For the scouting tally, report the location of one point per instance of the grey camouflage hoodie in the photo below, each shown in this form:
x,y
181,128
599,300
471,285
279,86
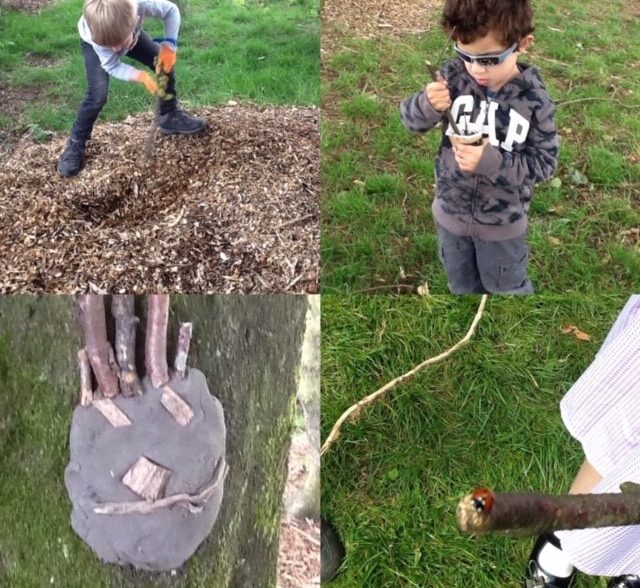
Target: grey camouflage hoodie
x,y
491,202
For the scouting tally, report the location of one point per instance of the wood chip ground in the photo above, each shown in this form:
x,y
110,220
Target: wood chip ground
x,y
376,18
234,209
299,553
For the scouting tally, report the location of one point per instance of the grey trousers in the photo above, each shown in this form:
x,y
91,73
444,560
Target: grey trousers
x,y
476,266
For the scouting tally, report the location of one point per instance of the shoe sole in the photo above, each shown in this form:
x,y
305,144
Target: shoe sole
x,y
168,132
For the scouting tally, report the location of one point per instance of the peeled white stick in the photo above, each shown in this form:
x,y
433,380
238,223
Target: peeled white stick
x,y
86,391
193,502
184,340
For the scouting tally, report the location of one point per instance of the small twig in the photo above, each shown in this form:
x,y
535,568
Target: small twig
x,y
156,341
353,413
193,502
86,389
401,288
122,310
149,143
184,340
91,307
531,513
608,98
305,535
294,221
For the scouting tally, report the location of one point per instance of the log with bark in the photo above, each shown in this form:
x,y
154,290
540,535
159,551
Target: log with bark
x,y
531,513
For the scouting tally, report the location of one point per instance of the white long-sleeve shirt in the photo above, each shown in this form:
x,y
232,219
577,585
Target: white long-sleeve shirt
x,y
110,59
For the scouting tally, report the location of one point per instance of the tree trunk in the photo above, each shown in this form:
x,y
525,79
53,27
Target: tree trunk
x,y
248,347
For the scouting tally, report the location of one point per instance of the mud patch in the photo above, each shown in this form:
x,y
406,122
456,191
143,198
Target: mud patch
x,y
234,209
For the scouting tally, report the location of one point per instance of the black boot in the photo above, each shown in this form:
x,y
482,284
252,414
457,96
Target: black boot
x,y
72,159
178,122
331,551
624,582
535,576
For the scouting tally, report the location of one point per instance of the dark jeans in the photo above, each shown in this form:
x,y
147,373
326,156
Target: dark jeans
x,y
476,266
144,51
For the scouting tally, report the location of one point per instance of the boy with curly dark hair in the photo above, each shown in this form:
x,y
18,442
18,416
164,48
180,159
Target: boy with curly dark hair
x,y
484,191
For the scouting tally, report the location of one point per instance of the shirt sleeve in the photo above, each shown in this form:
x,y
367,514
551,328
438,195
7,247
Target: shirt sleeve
x,y
110,62
418,115
536,162
167,11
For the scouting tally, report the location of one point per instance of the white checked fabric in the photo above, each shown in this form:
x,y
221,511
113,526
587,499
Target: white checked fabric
x,y
602,411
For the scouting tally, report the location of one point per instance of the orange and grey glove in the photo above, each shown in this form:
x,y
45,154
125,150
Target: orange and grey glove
x,y
142,77
166,58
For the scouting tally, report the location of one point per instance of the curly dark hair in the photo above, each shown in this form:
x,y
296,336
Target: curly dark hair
x,y
509,20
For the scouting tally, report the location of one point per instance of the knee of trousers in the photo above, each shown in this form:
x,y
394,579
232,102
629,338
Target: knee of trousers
x,y
96,98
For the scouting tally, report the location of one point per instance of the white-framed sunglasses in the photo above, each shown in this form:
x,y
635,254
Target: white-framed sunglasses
x,y
487,60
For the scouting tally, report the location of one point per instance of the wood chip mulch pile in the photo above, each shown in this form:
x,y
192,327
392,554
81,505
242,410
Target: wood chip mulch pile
x,y
376,18
233,209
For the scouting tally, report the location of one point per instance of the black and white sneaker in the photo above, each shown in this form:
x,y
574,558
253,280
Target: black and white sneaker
x,y
624,582
536,577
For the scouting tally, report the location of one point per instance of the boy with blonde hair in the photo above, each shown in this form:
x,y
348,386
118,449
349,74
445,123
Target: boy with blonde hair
x,y
484,191
111,29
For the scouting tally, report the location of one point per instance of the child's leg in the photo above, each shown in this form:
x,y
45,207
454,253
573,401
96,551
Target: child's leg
x,y
503,265
94,99
586,479
72,159
458,256
145,51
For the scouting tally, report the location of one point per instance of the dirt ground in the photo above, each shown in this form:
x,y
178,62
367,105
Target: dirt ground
x,y
299,559
234,209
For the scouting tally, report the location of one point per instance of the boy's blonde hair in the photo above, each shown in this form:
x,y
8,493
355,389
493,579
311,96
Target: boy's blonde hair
x,y
110,21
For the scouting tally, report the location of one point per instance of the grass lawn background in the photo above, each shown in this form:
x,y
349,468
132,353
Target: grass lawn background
x,y
244,50
487,415
378,179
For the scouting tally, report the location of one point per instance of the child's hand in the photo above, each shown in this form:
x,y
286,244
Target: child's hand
x,y
142,77
468,156
438,95
166,59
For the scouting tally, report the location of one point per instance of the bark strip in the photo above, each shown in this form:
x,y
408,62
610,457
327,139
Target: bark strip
x,y
86,389
147,479
184,340
176,405
530,513
156,341
192,502
98,349
112,412
126,322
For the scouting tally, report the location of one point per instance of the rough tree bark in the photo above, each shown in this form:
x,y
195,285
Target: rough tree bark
x,y
248,347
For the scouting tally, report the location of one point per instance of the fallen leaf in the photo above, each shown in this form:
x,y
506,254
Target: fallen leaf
x,y
554,240
576,332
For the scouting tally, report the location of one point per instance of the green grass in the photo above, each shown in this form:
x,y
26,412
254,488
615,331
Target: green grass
x,y
381,231
487,415
264,52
